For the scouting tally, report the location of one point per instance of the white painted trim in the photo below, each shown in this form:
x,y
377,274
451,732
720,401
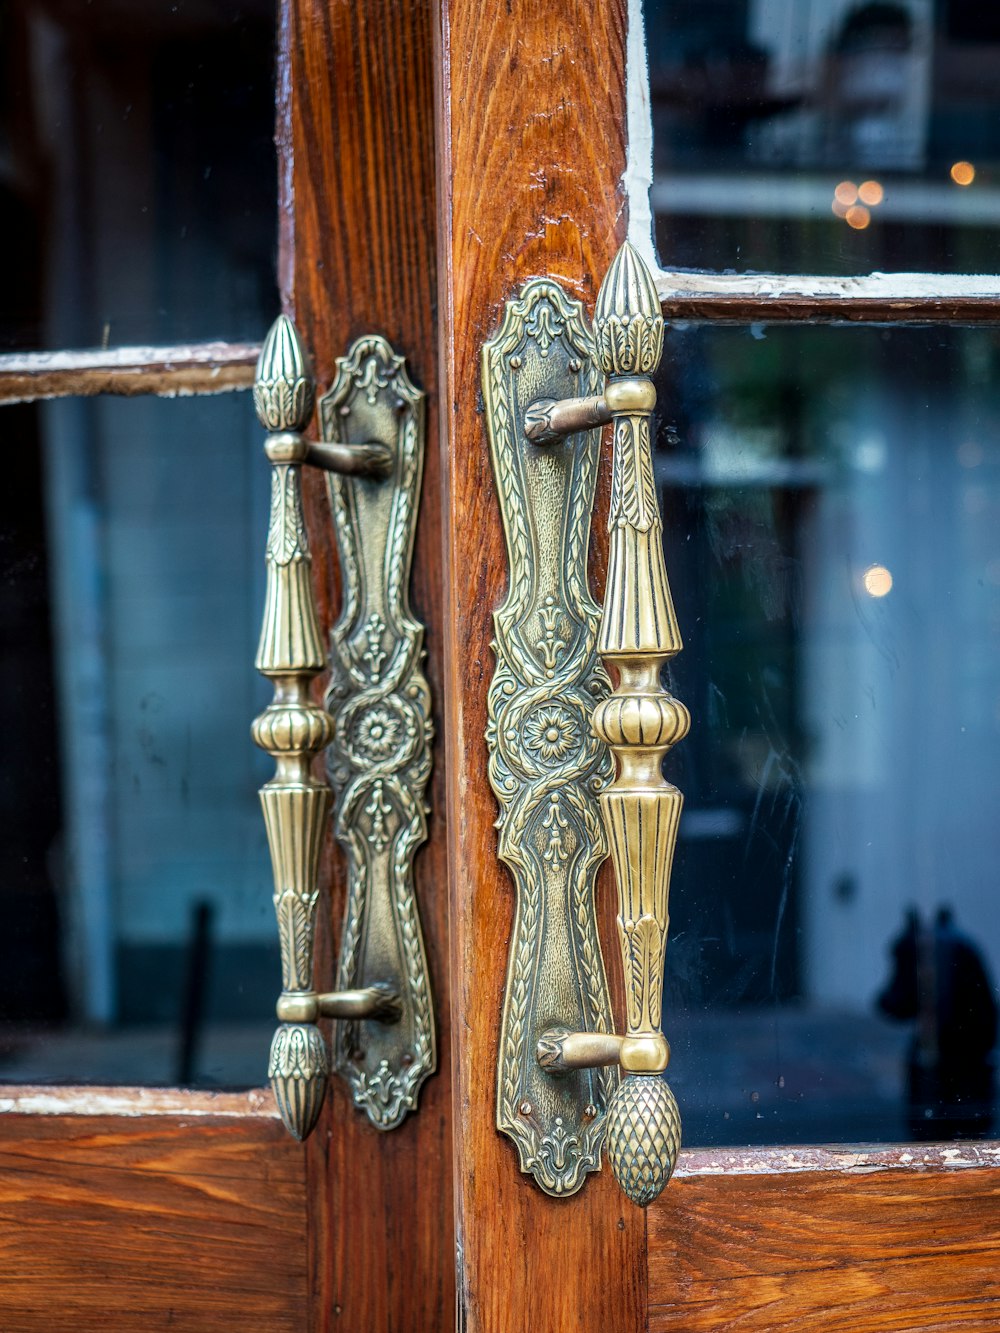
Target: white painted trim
x,y
870,286
638,179
135,1102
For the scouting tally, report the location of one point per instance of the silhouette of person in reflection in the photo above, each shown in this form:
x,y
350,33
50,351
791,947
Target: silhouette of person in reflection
x,y
941,980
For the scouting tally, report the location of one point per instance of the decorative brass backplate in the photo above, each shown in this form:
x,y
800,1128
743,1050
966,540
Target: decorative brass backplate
x,y
380,759
546,766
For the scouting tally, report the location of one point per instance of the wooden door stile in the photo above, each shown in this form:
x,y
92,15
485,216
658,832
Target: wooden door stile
x,y
531,137
357,256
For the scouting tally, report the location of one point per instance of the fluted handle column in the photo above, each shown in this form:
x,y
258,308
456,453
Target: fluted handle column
x,y
293,729
640,722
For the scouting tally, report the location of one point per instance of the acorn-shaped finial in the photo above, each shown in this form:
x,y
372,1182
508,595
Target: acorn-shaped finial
x,y
299,1068
284,389
644,1136
628,324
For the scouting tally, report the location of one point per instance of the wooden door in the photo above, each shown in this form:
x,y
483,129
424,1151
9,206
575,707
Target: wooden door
x,y
536,164
139,1208
432,158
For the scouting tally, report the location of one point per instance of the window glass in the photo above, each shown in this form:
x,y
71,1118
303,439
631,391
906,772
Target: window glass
x,y
826,136
137,172
139,943
832,507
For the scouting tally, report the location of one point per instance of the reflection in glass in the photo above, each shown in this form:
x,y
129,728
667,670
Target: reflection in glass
x,y
137,171
826,136
138,940
832,503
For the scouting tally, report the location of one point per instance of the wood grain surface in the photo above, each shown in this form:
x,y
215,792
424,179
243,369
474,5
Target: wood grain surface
x,y
150,1223
356,162
848,1248
532,153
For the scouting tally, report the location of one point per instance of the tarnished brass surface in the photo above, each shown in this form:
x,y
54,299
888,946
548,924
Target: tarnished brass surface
x,y
293,729
548,419
640,722
380,759
381,984
559,1050
545,765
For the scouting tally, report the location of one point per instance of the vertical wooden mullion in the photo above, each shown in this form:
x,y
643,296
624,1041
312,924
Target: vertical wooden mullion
x,y
531,139
356,162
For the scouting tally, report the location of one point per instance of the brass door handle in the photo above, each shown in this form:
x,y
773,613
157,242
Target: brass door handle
x,y
639,722
385,1041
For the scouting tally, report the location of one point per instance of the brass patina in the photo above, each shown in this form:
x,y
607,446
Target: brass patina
x,y
546,766
638,723
379,761
376,996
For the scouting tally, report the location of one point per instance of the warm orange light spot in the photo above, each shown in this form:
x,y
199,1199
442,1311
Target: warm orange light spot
x,y
846,193
839,208
871,193
877,581
963,173
858,217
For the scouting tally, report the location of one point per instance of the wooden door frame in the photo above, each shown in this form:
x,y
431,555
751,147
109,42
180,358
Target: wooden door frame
x,y
192,1206
136,1208
357,255
532,110
532,151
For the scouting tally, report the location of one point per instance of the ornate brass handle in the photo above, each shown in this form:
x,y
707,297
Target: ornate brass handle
x,y
554,728
294,729
640,722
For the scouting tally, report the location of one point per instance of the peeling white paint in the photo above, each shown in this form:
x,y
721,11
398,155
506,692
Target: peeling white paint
x,y
638,179
858,1160
871,286
258,1102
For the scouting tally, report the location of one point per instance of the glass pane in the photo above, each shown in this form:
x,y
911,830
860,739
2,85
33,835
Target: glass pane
x,y
832,504
137,172
826,136
139,944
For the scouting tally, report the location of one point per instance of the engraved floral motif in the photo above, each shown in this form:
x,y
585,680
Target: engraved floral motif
x,y
545,766
552,733
544,326
377,732
374,654
555,823
380,758
378,809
